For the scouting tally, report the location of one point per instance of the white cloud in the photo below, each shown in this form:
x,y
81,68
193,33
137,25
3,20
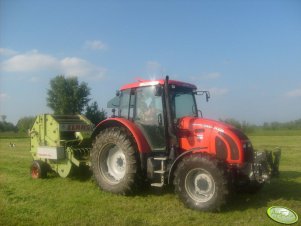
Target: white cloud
x,y
7,52
294,93
34,79
212,75
28,62
218,91
3,96
206,76
73,66
95,45
34,61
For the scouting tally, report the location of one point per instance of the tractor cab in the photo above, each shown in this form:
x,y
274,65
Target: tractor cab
x,y
155,109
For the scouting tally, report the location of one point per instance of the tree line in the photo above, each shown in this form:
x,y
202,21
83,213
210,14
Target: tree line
x,y
65,96
248,128
92,112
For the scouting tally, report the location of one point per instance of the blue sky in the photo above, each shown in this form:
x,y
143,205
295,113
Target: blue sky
x,y
247,53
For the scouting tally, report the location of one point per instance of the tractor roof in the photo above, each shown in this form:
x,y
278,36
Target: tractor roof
x,y
141,83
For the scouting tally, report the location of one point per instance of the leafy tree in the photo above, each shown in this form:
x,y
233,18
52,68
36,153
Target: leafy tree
x,y
7,127
94,114
67,96
3,118
25,123
296,124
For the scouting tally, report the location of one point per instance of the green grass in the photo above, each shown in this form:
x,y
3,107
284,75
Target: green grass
x,y
78,201
12,135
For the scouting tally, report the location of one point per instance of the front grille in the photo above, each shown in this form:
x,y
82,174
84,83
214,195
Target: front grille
x,y
247,146
221,148
233,147
248,151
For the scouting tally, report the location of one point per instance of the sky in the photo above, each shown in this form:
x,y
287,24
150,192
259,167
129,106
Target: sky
x,y
246,53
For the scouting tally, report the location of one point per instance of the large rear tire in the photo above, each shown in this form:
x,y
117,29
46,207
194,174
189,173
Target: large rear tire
x,y
114,161
200,183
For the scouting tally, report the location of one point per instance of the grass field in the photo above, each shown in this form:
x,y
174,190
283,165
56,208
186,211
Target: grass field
x,y
78,201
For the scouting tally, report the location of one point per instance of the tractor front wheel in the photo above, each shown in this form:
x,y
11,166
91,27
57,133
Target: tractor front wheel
x,y
200,183
114,161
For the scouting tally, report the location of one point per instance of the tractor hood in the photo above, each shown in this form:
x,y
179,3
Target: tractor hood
x,y
192,123
217,138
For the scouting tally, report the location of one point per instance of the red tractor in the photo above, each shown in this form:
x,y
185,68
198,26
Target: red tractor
x,y
159,136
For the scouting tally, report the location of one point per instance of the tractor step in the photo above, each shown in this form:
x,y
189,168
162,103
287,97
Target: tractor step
x,y
161,171
160,158
159,185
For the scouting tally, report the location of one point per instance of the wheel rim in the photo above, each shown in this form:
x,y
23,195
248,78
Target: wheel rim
x,y
200,185
113,163
34,172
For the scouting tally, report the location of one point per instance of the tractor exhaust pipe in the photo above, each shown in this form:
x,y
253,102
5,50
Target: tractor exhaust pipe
x,y
170,125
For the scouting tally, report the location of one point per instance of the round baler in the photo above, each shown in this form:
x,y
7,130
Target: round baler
x,y
60,143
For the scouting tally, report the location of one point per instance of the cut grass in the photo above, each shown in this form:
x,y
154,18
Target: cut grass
x,y
78,201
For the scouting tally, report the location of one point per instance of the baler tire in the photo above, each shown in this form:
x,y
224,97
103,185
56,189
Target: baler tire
x,y
200,183
38,169
114,161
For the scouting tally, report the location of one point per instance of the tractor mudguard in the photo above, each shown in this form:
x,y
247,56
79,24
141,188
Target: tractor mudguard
x,y
172,167
142,144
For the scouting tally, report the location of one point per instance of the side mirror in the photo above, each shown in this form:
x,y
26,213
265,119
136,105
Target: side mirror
x,y
207,96
203,92
117,93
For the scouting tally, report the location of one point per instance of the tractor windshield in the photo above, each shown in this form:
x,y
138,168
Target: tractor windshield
x,y
183,102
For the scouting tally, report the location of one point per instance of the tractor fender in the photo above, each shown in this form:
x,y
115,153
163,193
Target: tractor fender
x,y
142,144
178,159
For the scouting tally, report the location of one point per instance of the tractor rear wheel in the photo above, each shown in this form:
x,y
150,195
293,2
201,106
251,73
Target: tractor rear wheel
x,y
200,183
38,169
114,161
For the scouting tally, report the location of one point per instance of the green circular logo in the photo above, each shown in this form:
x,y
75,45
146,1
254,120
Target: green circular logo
x,y
282,214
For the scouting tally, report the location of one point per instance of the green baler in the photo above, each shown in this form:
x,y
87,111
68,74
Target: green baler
x,y
60,143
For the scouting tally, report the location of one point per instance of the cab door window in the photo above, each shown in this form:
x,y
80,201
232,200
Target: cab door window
x,y
149,117
124,104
